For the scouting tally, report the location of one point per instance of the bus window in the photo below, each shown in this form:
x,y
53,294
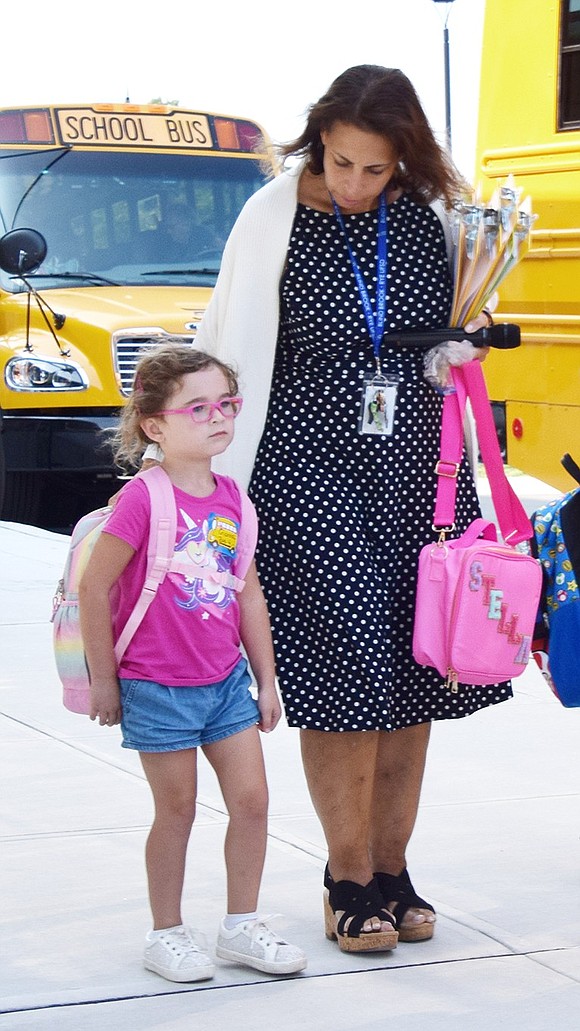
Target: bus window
x,y
122,211
569,92
163,219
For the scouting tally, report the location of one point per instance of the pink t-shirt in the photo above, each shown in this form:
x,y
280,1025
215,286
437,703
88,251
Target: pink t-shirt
x,y
191,632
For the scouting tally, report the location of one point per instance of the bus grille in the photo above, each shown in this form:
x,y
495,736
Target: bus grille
x,y
128,348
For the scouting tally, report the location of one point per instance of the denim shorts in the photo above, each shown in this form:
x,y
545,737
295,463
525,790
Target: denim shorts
x,y
169,719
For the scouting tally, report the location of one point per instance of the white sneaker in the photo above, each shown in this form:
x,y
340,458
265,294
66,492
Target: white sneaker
x,y
178,954
253,944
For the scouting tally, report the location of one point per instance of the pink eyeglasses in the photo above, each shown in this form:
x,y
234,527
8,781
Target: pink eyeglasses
x,y
229,407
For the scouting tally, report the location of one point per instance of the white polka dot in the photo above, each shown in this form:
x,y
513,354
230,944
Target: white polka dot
x,y
343,516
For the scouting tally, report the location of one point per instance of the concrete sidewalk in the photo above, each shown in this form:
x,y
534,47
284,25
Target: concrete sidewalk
x,y
496,849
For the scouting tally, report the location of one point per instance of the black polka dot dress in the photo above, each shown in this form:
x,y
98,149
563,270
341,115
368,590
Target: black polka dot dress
x,y
343,515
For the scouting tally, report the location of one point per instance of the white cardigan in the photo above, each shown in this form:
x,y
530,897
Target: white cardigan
x,y
241,322
240,325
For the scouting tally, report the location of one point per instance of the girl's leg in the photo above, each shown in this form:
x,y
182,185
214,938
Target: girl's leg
x,y
172,777
239,766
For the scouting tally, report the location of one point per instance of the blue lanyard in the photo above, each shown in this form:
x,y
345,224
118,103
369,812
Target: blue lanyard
x,y
376,325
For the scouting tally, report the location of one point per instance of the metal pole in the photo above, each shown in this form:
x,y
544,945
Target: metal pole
x,y
447,70
447,86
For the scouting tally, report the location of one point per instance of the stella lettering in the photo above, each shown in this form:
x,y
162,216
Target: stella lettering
x,y
475,576
495,607
488,582
523,656
497,610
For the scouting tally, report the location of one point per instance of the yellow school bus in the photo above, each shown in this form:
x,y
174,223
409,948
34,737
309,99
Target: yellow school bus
x,y
529,126
113,220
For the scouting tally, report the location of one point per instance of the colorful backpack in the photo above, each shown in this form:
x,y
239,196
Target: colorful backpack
x,y
67,640
556,542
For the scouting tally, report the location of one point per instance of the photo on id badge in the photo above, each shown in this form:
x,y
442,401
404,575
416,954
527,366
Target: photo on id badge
x,y
378,406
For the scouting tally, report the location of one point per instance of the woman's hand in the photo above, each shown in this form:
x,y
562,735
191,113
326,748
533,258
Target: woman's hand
x,y
480,321
454,353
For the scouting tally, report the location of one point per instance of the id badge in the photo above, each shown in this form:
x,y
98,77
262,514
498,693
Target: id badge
x,y
379,395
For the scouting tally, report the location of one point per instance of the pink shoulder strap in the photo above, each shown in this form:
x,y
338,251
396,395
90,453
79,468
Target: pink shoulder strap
x,y
513,520
160,547
248,534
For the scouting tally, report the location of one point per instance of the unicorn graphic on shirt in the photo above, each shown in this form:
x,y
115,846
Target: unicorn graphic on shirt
x,y
197,553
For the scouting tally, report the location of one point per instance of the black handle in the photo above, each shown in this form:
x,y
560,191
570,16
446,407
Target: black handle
x,y
503,335
571,467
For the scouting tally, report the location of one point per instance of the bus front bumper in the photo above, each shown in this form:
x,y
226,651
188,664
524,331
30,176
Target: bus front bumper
x,y
41,443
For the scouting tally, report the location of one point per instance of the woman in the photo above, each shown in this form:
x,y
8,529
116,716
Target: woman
x,y
352,236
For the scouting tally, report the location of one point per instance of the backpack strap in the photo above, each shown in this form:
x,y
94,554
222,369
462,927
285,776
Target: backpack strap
x,y
222,578
160,547
248,537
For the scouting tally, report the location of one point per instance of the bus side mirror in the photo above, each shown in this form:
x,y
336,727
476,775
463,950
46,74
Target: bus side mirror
x,y
22,251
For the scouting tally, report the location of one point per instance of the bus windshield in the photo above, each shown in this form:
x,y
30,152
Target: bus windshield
x,y
143,219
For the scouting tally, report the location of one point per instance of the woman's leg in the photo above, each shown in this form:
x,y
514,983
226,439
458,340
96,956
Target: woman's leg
x,y
400,766
172,777
340,773
239,766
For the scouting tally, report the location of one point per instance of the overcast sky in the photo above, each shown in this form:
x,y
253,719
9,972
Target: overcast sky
x,y
248,57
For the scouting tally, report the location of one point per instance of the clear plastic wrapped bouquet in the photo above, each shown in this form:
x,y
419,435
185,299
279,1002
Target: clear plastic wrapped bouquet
x,y
490,239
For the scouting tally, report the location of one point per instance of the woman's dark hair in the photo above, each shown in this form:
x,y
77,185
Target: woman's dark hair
x,y
383,101
157,376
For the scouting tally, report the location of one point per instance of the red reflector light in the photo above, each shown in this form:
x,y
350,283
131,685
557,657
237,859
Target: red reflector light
x,y
517,429
25,127
250,136
233,134
12,127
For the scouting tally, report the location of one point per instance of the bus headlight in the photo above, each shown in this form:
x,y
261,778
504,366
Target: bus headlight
x,y
44,374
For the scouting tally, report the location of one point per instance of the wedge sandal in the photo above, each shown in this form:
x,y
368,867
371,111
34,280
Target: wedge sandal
x,y
347,905
399,893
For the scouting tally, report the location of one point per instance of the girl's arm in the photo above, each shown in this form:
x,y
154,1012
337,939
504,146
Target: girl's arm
x,y
109,557
256,638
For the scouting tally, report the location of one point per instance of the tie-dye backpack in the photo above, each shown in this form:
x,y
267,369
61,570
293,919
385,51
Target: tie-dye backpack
x,y
67,640
556,543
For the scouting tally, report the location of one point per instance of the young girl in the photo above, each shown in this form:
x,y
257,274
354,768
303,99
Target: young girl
x,y
183,682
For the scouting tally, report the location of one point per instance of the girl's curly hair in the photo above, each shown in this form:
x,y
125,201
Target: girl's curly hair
x,y
157,376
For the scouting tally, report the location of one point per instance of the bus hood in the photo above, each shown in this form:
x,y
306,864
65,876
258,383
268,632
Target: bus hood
x,y
171,308
88,327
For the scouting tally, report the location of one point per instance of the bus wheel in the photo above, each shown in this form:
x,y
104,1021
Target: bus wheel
x,y
22,493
